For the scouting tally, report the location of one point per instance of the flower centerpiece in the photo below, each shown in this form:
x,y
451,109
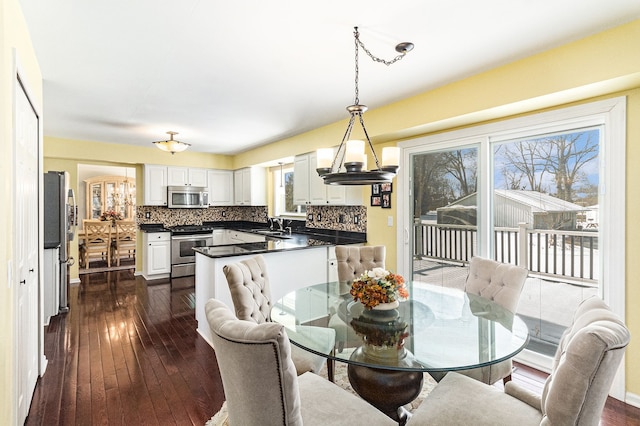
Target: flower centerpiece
x,y
379,287
111,215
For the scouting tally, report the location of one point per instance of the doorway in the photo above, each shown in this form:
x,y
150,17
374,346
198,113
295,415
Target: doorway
x,y
105,193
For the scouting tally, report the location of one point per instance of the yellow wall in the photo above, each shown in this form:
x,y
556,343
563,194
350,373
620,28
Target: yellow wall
x,y
14,39
66,155
604,65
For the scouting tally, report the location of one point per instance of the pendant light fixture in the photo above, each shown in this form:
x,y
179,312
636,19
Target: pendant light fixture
x,y
348,166
172,145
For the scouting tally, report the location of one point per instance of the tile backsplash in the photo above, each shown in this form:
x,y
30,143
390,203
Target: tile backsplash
x,y
174,217
340,218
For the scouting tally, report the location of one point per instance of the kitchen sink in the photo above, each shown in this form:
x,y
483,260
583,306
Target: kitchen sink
x,y
272,233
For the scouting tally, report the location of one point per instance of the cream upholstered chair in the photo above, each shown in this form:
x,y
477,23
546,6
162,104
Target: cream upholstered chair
x,y
354,260
585,363
260,382
501,283
251,295
124,243
351,262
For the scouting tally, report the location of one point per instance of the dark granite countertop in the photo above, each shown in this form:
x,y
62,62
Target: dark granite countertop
x,y
298,240
153,227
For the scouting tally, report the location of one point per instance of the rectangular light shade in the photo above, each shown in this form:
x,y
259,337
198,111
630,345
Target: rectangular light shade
x,y
390,156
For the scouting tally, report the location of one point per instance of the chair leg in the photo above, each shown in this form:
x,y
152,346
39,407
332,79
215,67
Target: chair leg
x,y
331,369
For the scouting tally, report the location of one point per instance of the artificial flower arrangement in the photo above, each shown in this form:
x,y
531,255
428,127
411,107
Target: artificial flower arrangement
x,y
111,215
378,286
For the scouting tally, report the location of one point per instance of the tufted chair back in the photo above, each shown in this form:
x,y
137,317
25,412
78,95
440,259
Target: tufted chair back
x,y
250,357
584,366
354,260
499,282
249,287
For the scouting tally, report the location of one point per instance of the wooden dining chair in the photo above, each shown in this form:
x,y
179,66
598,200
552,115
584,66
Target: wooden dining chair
x,y
124,242
97,241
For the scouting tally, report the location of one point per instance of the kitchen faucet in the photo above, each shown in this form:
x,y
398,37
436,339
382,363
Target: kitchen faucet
x,y
276,220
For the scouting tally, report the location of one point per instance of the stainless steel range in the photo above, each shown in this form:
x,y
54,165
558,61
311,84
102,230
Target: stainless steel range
x,y
183,240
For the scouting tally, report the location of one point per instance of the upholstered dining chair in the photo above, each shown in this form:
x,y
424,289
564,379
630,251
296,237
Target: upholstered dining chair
x,y
251,295
352,261
260,382
584,366
124,243
501,283
97,241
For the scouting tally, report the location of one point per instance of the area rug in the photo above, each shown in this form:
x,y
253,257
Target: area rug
x,y
221,418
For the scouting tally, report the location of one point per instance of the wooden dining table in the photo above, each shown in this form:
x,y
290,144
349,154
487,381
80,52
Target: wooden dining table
x,y
438,329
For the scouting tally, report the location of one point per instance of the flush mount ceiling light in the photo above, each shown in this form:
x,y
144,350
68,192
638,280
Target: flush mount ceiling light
x,y
172,145
348,166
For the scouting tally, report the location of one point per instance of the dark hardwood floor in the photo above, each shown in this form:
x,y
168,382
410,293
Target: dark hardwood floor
x,y
127,353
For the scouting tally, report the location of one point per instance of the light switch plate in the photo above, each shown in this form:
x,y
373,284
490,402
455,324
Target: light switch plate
x,y
389,220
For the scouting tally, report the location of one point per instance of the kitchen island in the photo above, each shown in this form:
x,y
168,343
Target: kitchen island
x,y
293,261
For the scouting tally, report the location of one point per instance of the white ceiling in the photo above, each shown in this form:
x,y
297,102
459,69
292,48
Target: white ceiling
x,y
231,75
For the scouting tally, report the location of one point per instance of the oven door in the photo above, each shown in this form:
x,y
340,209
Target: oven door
x,y
182,247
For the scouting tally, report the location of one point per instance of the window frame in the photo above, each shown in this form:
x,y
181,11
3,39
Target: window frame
x,y
611,115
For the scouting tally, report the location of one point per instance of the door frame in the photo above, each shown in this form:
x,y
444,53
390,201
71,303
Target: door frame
x,y
612,114
21,82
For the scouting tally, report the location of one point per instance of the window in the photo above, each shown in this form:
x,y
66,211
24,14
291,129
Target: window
x,y
283,194
526,191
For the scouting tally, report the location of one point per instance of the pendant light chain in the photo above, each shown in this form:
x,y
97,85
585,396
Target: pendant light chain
x,y
332,171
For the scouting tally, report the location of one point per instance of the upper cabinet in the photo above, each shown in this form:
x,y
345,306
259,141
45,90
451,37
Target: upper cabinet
x,y
155,185
249,186
220,184
110,193
177,176
309,188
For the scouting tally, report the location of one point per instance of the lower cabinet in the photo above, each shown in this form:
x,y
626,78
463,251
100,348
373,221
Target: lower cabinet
x,y
287,270
157,255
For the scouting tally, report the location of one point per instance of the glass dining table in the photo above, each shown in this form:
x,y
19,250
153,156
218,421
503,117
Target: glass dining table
x,y
438,329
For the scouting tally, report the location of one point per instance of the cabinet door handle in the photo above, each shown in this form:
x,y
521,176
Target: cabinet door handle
x,y
31,270
23,282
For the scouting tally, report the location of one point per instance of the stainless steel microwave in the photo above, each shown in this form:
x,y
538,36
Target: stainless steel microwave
x,y
187,197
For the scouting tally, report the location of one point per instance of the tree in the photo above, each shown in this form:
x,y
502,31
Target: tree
x,y
443,177
558,159
567,155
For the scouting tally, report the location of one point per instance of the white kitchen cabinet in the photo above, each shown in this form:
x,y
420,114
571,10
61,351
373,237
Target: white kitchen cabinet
x,y
178,176
155,185
157,255
301,180
249,186
309,188
220,183
51,297
239,237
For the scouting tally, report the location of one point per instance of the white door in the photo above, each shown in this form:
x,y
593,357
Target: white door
x,y
26,251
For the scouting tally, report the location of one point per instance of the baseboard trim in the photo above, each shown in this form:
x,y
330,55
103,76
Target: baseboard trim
x,y
632,399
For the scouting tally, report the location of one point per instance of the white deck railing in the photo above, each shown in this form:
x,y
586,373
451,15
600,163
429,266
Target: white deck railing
x,y
567,256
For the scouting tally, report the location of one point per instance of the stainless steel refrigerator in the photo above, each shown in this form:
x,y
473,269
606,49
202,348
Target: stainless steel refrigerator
x,y
60,220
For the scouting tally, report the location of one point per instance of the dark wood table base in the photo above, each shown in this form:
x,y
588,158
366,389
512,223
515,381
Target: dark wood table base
x,y
387,390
